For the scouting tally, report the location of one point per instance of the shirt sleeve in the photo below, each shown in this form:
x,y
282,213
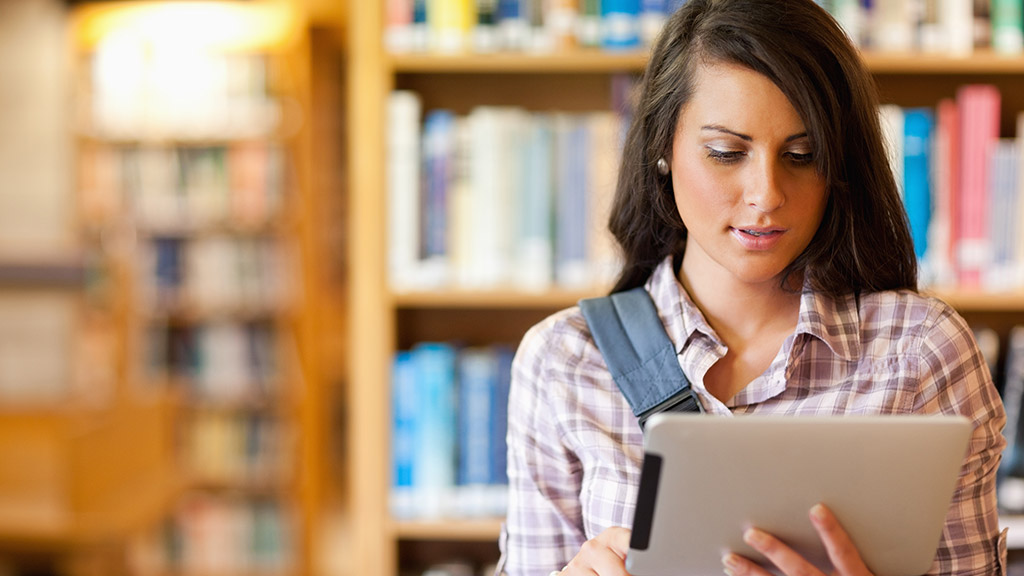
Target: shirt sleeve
x,y
544,525
954,379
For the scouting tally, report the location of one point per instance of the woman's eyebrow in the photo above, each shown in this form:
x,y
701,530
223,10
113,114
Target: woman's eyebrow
x,y
745,137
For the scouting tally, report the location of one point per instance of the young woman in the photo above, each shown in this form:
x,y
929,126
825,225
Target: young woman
x,y
756,205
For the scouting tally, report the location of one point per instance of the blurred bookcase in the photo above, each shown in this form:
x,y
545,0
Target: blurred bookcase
x,y
209,182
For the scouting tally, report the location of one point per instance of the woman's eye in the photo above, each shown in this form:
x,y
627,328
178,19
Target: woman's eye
x,y
801,159
724,156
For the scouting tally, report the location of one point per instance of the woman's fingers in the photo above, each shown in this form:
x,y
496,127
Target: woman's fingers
x,y
604,555
841,550
782,556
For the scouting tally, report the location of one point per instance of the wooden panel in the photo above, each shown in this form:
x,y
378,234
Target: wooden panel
x,y
461,92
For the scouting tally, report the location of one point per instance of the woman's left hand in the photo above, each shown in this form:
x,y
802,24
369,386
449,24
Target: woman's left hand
x,y
844,555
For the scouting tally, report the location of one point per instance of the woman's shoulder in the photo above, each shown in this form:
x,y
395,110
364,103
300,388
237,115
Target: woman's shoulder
x,y
907,316
564,331
913,308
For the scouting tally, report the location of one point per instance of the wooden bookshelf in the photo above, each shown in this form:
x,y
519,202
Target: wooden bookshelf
x,y
384,321
302,45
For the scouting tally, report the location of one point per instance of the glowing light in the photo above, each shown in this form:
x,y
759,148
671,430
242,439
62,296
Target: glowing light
x,y
211,25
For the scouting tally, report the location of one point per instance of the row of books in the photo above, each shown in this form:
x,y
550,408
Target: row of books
x,y
962,189
158,90
936,26
951,26
236,448
500,197
534,25
449,418
215,274
185,188
220,534
1005,361
218,362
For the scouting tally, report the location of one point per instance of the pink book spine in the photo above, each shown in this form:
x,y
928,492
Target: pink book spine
x,y
979,126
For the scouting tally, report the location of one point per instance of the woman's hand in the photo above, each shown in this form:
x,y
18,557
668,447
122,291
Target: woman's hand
x,y
603,555
844,555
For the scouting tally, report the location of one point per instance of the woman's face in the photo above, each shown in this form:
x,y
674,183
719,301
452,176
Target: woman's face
x,y
744,175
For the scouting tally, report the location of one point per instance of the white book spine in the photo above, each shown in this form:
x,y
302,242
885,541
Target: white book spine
x,y
404,176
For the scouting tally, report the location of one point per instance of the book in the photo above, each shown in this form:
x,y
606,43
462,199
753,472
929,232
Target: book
x,y
1007,26
534,244
402,499
979,130
477,375
892,27
439,139
513,25
571,202
435,461
917,135
653,14
605,149
939,265
485,32
499,424
588,23
398,34
404,180
620,20
1004,196
450,23
493,168
1010,486
560,22
850,16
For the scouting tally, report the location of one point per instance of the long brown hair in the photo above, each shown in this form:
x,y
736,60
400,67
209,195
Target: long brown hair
x,y
864,242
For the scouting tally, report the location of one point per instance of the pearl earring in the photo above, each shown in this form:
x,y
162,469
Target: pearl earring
x,y
662,167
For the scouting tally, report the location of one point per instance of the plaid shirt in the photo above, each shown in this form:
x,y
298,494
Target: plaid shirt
x,y
575,447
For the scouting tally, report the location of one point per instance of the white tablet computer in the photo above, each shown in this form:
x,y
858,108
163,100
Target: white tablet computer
x,y
705,479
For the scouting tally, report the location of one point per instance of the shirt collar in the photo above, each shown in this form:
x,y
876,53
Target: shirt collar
x,y
834,321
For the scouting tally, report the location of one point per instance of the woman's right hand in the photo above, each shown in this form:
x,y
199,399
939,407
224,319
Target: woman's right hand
x,y
604,555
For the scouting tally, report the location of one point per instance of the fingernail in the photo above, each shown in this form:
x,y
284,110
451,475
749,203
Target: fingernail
x,y
731,562
755,537
818,513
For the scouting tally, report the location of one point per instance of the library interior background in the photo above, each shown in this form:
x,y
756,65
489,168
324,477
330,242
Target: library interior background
x,y
264,263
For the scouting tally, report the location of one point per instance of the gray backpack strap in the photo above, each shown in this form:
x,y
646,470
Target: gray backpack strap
x,y
639,354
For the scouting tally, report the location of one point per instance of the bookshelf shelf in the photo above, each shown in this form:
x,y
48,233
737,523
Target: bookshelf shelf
x,y
469,299
582,61
566,62
482,530
980,301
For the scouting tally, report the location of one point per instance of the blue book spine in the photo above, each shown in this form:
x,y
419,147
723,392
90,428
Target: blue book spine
x,y
509,9
499,422
620,21
438,153
571,199
403,434
476,388
917,134
168,273
435,461
674,5
535,240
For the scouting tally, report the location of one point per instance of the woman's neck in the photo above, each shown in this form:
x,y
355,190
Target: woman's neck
x,y
740,312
